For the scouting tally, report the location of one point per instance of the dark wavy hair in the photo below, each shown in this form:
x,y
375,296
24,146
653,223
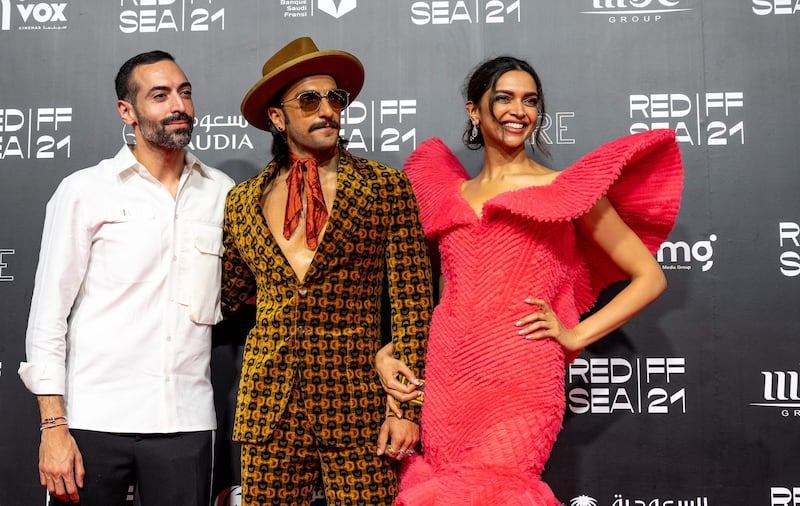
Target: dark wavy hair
x,y
484,78
126,90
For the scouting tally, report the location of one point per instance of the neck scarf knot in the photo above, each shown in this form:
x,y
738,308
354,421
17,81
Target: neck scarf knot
x,y
316,210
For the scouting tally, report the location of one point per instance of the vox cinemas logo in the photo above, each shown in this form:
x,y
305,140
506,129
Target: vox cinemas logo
x,y
784,496
156,16
305,8
636,11
710,118
5,274
447,12
682,256
33,15
781,392
381,125
618,385
36,133
788,233
777,7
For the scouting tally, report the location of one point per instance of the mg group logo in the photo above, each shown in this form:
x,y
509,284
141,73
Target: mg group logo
x,y
788,232
36,133
446,12
5,275
618,385
767,7
636,11
156,16
381,125
32,15
682,256
712,118
781,392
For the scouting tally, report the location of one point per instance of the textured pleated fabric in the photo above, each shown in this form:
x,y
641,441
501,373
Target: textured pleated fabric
x,y
494,401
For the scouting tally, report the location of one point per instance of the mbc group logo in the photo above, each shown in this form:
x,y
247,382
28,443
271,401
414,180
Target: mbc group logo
x,y
635,11
781,392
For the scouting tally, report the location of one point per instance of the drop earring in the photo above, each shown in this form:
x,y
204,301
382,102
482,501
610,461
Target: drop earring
x,y
473,134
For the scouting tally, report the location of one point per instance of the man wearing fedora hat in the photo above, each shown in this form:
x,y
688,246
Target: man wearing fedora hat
x,y
321,239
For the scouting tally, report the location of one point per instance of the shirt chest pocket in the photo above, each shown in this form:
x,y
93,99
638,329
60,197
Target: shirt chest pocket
x,y
131,245
201,284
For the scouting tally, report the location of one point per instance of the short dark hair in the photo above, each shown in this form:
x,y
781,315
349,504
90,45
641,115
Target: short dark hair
x,y
484,78
126,90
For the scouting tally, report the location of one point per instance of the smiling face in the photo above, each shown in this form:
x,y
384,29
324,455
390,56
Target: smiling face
x,y
308,134
161,111
508,112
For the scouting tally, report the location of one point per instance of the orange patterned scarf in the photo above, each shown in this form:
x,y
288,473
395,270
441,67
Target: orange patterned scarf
x,y
316,210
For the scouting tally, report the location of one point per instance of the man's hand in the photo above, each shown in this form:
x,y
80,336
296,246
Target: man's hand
x,y
398,438
60,464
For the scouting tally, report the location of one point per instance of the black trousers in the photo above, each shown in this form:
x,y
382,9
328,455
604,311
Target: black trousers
x,y
165,469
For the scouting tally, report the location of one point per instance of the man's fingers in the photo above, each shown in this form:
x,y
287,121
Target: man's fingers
x,y
383,437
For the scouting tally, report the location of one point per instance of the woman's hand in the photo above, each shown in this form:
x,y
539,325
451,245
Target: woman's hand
x,y
545,323
388,369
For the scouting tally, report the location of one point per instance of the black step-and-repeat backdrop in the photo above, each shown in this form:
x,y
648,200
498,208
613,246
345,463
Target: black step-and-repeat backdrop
x,y
695,403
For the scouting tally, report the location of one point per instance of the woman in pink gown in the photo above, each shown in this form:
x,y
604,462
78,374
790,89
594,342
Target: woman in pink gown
x,y
525,251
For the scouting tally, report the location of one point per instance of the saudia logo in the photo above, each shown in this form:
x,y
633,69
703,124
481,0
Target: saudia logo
x,y
330,7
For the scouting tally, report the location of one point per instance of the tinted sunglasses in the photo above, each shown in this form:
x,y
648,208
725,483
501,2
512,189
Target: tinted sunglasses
x,y
310,101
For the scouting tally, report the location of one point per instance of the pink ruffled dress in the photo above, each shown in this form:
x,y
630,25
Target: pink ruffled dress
x,y
494,401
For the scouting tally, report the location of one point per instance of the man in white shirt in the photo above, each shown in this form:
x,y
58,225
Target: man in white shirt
x,y
127,288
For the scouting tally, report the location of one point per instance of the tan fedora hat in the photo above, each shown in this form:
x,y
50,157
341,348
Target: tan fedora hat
x,y
297,59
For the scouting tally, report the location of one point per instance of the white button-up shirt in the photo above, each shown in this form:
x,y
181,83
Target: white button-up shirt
x,y
126,291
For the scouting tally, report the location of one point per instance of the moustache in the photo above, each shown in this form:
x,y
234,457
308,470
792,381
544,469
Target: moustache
x,y
180,116
329,123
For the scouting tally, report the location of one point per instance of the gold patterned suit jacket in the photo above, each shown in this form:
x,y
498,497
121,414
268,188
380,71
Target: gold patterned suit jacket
x,y
321,335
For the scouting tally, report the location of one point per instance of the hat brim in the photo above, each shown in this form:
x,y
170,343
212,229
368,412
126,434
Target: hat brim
x,y
343,67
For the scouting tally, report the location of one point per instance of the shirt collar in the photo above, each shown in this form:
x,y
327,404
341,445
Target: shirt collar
x,y
125,161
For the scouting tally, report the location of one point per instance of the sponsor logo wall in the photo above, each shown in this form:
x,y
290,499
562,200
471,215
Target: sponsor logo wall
x,y
695,402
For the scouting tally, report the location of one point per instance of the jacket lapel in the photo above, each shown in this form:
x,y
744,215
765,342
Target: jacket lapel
x,y
353,205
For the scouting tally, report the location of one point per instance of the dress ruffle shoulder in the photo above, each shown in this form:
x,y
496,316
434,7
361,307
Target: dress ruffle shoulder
x,y
640,174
